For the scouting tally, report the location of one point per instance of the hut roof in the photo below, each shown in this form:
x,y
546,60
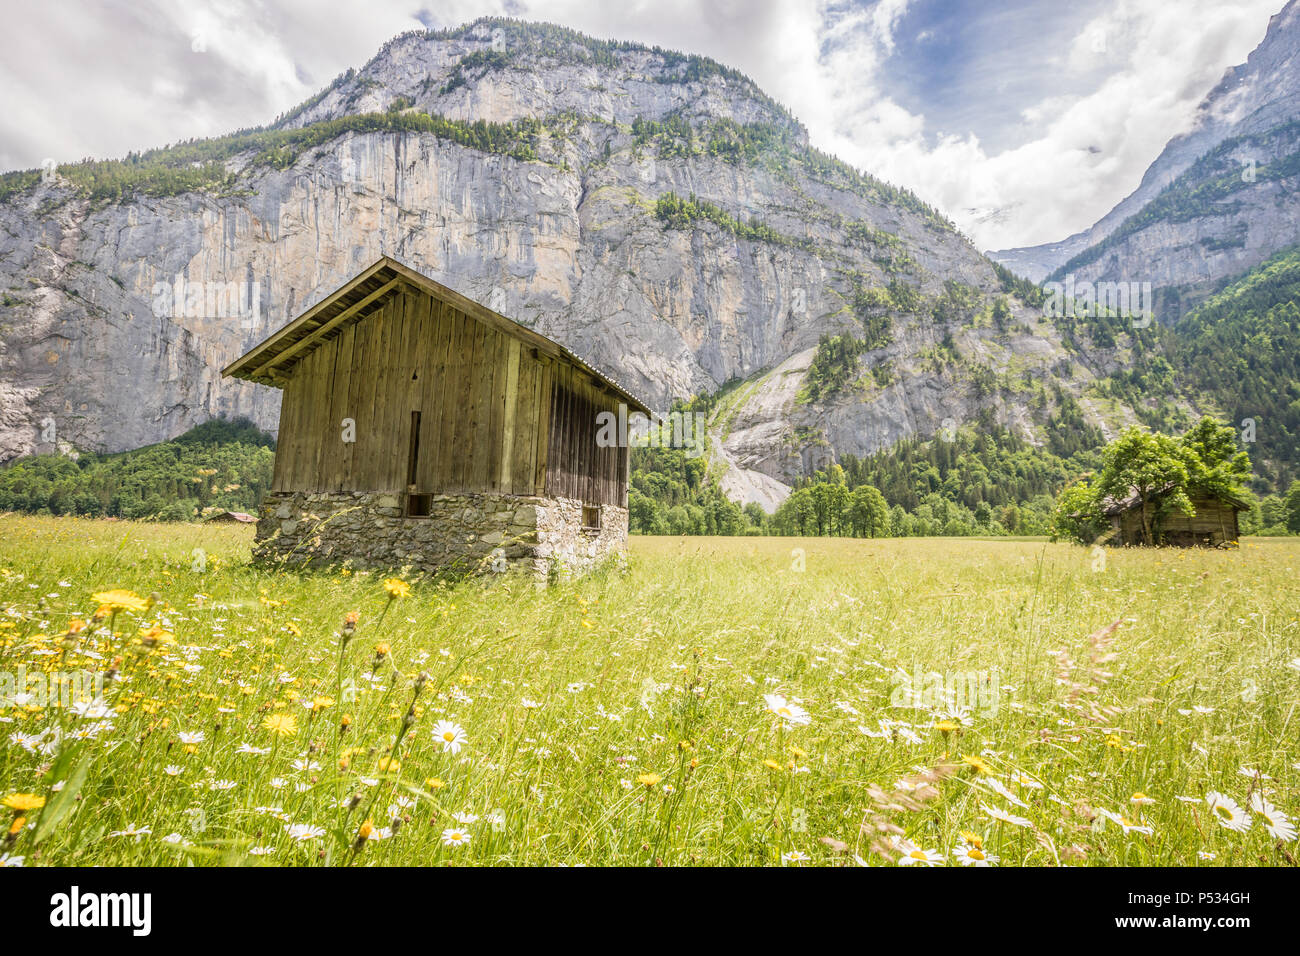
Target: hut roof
x,y
232,516
269,362
1114,506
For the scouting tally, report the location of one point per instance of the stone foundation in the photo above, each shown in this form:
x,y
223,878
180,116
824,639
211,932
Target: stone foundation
x,y
472,533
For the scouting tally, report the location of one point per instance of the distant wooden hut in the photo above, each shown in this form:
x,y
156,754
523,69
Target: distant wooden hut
x,y
1215,522
420,428
221,517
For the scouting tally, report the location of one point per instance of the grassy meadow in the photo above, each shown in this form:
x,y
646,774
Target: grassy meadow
x,y
710,701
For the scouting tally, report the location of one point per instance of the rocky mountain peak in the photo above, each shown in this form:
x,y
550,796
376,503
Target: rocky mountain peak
x,y
502,70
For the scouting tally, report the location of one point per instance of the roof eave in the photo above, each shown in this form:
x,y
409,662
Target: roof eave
x,y
257,357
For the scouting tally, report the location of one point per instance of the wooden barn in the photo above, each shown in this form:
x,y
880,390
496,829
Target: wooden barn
x,y
1215,521
420,428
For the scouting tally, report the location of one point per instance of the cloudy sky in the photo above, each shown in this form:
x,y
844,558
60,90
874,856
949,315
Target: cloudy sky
x,y
1023,120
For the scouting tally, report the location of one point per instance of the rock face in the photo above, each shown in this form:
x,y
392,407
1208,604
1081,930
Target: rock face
x,y
105,336
476,534
1240,128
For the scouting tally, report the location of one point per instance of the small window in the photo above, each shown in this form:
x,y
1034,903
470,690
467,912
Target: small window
x,y
591,517
418,506
413,451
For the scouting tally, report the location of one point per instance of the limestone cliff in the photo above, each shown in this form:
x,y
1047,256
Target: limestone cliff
x,y
554,216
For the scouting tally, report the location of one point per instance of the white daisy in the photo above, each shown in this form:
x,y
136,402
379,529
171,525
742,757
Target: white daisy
x,y
1278,824
791,714
450,735
1227,812
454,837
1125,824
304,831
28,742
1024,780
970,855
998,787
915,856
132,831
91,710
796,857
999,814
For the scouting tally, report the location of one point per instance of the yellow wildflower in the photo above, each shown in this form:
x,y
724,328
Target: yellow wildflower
x,y
122,600
978,763
22,802
285,725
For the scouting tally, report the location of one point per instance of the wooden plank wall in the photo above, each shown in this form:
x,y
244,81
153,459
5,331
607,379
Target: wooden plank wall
x,y
578,467
1212,518
483,399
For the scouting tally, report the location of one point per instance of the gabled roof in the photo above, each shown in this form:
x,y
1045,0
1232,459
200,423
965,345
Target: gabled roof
x,y
1112,506
270,362
240,516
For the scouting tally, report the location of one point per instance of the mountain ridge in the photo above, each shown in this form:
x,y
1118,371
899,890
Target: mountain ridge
x,y
686,237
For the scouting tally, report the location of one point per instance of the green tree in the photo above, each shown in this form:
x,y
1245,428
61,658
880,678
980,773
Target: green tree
x,y
1151,467
1293,508
797,514
1010,519
1077,515
868,512
1214,463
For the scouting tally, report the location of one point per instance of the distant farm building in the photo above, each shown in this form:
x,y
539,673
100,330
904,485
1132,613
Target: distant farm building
x,y
420,428
1215,521
221,517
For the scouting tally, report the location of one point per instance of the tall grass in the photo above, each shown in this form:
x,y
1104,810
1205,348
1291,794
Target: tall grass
x,y
621,718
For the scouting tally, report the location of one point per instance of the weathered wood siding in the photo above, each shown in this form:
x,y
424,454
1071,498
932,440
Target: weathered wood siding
x,y
577,466
483,398
1215,522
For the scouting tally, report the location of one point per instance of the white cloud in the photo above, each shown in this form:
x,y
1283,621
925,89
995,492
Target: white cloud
x,y
1080,154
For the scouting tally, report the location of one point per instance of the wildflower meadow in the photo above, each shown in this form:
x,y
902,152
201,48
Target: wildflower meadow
x,y
766,702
